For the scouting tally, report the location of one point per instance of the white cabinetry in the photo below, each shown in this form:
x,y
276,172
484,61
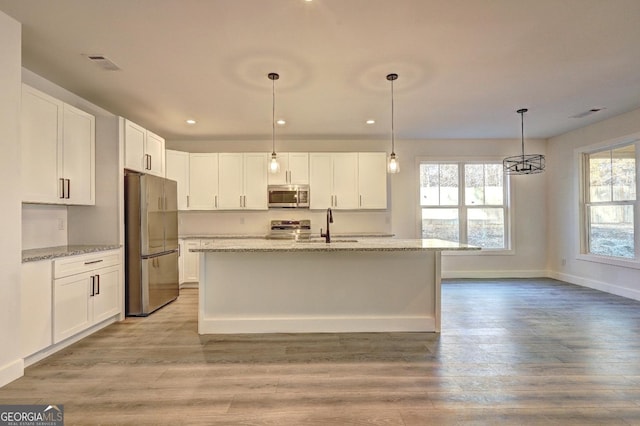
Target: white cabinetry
x,y
242,181
333,180
86,291
177,168
294,169
143,150
203,181
35,318
190,261
58,151
372,180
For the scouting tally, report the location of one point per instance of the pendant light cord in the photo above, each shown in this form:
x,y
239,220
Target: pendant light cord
x,y
393,150
522,130
273,117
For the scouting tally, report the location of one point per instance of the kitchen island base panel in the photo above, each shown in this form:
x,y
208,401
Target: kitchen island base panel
x,y
345,291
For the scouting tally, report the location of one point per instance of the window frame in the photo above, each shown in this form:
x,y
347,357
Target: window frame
x,y
584,224
507,206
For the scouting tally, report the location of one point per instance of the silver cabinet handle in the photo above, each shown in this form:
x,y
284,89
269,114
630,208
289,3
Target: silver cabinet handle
x,y
187,201
360,200
150,164
91,262
215,197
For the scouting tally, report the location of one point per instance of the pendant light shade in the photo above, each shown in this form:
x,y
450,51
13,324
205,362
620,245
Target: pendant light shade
x,y
393,166
274,165
523,164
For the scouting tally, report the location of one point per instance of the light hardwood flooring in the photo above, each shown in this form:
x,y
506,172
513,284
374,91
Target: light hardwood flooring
x,y
525,352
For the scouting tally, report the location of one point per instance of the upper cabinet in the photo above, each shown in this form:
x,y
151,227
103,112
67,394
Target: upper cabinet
x,y
58,151
177,168
243,180
333,180
372,180
294,169
143,150
203,181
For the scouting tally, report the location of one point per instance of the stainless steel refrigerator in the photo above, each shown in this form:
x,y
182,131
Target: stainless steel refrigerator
x,y
151,228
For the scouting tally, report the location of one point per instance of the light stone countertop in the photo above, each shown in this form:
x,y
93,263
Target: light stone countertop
x,y
46,253
338,244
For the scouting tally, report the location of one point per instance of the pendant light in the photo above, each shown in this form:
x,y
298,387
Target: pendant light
x,y
274,165
523,164
393,166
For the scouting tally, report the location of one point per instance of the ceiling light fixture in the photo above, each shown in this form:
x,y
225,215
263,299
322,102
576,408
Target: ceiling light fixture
x,y
191,121
393,166
274,166
371,121
281,122
523,164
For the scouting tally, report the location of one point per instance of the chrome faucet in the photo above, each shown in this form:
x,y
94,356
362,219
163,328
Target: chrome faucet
x,y
327,236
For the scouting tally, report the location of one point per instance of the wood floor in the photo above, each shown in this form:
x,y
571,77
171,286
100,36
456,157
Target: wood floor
x,y
510,352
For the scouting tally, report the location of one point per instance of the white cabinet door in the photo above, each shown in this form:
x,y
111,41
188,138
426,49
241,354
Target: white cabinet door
x,y
203,181
71,313
333,180
281,177
298,168
134,147
320,180
36,302
154,152
372,180
106,293
255,181
191,261
41,134
230,194
345,180
177,168
78,156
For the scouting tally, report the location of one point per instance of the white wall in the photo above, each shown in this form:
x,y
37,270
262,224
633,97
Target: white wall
x,y
43,226
11,364
563,223
528,258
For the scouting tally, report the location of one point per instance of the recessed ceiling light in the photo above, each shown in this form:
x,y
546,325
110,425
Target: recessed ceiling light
x,y
281,122
371,121
191,121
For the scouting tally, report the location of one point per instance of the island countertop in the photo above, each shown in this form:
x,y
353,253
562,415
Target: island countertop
x,y
338,244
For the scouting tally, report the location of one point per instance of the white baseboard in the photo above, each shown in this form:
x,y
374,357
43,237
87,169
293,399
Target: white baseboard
x,y
495,274
11,371
596,285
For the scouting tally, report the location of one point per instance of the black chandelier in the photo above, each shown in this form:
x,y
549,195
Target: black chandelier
x,y
523,164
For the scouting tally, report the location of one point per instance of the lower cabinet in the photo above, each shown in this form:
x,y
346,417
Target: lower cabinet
x,y
190,261
86,291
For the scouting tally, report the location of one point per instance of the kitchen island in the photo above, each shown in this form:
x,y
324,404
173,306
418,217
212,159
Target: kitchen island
x,y
369,285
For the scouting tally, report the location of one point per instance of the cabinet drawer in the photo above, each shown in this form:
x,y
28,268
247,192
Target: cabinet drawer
x,y
83,263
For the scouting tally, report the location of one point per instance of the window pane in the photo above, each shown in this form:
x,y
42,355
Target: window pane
x,y
438,184
611,231
485,227
474,184
483,184
440,223
623,167
600,176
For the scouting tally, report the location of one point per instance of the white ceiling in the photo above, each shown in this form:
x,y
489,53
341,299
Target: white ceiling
x,y
465,66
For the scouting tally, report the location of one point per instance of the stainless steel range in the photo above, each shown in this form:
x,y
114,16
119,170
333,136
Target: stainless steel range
x,y
290,230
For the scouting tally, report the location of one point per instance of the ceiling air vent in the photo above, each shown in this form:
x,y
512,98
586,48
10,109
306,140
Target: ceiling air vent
x,y
103,62
588,112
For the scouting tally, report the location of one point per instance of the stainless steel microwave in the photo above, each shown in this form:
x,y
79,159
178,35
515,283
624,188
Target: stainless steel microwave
x,y
288,196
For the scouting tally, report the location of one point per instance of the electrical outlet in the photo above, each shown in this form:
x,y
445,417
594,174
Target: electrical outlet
x,y
60,224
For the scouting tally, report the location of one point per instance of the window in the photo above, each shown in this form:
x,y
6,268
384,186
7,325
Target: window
x,y
610,202
465,202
